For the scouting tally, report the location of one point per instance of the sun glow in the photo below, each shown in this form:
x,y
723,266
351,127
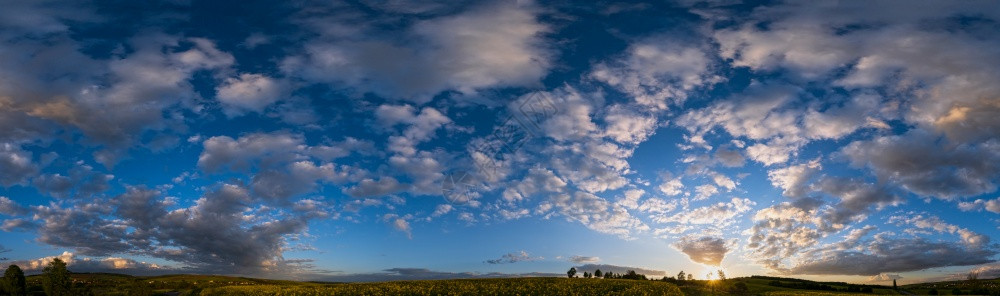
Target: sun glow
x,y
710,273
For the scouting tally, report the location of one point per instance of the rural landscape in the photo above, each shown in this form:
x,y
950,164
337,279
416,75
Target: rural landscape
x,y
499,147
56,280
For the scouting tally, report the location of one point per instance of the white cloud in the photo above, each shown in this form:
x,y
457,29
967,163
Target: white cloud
x,y
992,205
248,92
627,126
596,213
794,179
657,73
671,186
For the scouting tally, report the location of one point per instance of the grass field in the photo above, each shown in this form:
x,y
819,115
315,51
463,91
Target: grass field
x,y
512,286
182,285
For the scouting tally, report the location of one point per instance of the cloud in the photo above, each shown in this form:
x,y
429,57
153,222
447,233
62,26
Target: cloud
x,y
113,101
521,256
248,92
596,213
857,198
794,179
884,277
657,73
921,163
486,46
671,187
729,157
399,223
969,238
628,126
373,188
76,263
979,204
82,181
141,222
16,165
11,208
281,164
892,255
705,250
719,214
584,259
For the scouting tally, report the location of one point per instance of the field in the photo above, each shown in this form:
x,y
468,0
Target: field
x,y
182,285
513,286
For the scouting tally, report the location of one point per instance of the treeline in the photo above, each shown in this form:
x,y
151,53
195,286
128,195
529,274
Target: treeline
x,y
628,275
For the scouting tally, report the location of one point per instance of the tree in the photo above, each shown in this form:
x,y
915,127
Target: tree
x,y
894,284
586,275
571,273
55,278
690,276
681,276
722,275
13,281
597,274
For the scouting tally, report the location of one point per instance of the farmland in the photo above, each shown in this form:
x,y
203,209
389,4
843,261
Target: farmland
x,y
178,285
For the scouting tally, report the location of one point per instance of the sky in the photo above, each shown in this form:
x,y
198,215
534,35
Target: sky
x,y
366,140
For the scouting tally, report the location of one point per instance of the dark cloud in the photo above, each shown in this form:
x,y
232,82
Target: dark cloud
x,y
220,233
82,181
705,250
16,165
729,157
10,208
372,188
584,259
925,164
83,227
891,256
857,198
281,164
513,258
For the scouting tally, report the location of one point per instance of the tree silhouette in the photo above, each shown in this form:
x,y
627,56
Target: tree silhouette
x,y
55,279
586,275
690,276
894,284
680,276
597,274
13,281
571,272
722,275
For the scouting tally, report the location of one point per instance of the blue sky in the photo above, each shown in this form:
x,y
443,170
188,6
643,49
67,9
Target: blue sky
x,y
407,140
